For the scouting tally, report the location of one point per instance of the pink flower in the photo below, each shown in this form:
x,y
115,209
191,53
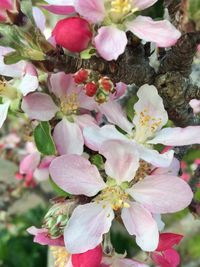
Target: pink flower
x,y
145,130
90,258
165,255
73,33
41,237
5,5
155,193
60,7
116,17
71,100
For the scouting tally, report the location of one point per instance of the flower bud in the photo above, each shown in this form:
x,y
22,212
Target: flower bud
x,y
73,34
91,89
6,5
90,258
81,76
101,96
106,84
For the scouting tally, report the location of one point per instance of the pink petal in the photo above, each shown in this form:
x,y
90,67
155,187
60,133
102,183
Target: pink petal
x,y
68,138
177,136
121,262
154,157
76,175
158,193
114,113
86,102
173,169
86,227
39,106
168,240
29,163
168,258
110,42
195,104
42,238
85,120
28,84
60,2
3,112
120,90
150,113
91,258
91,10
39,18
6,4
143,4
41,175
61,83
59,10
163,33
122,160
95,136
139,221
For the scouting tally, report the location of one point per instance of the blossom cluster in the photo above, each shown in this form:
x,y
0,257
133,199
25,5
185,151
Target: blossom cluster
x,y
108,165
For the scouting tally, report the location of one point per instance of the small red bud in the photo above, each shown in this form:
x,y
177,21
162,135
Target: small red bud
x,y
81,76
73,34
106,84
91,89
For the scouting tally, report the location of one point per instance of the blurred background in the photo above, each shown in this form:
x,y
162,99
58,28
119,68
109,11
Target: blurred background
x,y
24,200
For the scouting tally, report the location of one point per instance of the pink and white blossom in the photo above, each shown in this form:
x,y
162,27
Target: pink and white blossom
x,y
145,129
154,194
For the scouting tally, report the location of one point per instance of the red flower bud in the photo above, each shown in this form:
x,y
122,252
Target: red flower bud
x,y
73,34
106,84
91,89
81,76
90,258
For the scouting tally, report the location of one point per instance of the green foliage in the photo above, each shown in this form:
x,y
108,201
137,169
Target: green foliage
x,y
130,107
16,245
97,160
43,139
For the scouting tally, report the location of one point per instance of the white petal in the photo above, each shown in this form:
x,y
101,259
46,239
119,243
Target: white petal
x,y
68,138
173,169
114,114
86,226
139,221
177,136
95,136
162,193
76,175
28,84
122,160
150,113
39,18
3,112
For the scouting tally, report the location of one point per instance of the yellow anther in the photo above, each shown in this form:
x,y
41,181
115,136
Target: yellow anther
x,y
69,104
121,6
61,256
6,90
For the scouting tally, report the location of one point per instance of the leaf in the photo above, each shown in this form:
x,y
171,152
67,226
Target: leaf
x,y
43,139
12,58
58,190
97,160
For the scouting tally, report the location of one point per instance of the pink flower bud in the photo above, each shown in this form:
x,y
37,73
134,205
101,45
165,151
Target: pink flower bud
x,y
90,258
4,6
73,34
81,76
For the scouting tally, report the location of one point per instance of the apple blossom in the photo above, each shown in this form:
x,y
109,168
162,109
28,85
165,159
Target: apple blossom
x,y
6,5
117,17
145,130
150,193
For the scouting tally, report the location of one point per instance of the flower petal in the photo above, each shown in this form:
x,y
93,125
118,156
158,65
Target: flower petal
x,y
158,193
29,163
173,169
39,18
86,226
122,160
95,136
3,112
168,258
60,2
114,113
163,33
29,83
143,4
177,136
68,138
154,157
91,10
76,175
59,10
168,240
85,120
139,221
150,113
39,106
110,42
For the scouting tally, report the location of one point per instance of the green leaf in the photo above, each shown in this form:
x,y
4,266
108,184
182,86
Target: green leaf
x,y
97,160
129,107
43,139
58,190
12,58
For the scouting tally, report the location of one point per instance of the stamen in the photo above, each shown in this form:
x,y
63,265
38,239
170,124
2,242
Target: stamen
x,y
61,256
143,171
121,6
69,104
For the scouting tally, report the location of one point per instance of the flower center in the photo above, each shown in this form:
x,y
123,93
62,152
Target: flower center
x,y
116,196
6,90
143,170
121,6
61,256
69,104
